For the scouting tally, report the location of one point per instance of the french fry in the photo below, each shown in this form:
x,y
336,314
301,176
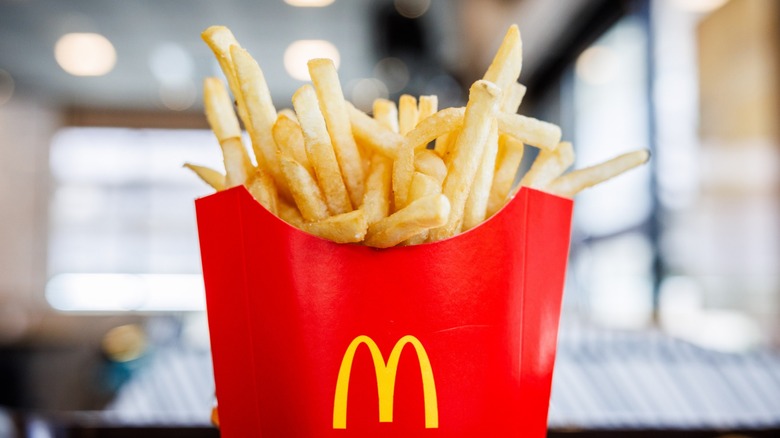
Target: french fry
x,y
506,65
289,138
435,126
347,227
574,182
219,39
333,108
467,154
511,102
427,106
403,171
210,176
238,168
407,113
261,186
510,154
338,173
441,143
219,110
422,185
260,112
376,201
290,214
287,112
549,165
427,162
320,151
372,134
477,202
386,113
529,130
427,130
305,191
418,216
222,119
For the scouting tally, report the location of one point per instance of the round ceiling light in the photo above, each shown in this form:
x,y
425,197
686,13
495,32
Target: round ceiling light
x,y
309,3
300,52
85,54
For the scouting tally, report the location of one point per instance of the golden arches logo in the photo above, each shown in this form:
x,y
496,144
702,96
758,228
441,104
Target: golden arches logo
x,y
385,381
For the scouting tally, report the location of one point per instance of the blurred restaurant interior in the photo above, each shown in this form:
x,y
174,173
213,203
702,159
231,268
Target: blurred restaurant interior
x,y
671,319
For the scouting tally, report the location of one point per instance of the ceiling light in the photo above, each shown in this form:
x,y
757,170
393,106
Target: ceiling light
x,y
300,52
412,8
309,3
85,54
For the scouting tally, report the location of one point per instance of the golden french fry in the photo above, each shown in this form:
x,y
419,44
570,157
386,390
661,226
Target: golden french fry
x,y
549,165
441,143
222,119
263,189
407,113
386,113
219,39
219,110
506,65
511,102
435,126
427,130
422,185
427,162
347,227
289,138
418,216
372,134
572,183
290,214
376,201
467,154
529,130
305,191
427,106
238,168
320,151
260,111
477,202
403,171
210,176
287,112
510,154
333,107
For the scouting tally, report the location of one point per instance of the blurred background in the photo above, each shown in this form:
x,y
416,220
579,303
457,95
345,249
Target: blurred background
x,y
674,264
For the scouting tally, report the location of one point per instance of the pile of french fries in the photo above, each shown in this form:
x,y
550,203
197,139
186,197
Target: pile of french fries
x,y
408,175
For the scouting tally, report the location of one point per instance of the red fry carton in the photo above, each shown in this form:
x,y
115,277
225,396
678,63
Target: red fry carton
x,y
449,339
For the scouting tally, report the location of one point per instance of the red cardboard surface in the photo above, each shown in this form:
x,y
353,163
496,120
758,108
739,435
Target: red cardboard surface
x,y
450,339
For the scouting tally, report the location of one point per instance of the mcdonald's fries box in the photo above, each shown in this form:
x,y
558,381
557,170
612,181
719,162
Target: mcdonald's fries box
x,y
449,339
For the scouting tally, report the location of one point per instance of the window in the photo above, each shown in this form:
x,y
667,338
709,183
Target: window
x,y
123,235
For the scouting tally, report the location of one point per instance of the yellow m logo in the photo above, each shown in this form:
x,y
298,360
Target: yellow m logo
x,y
385,381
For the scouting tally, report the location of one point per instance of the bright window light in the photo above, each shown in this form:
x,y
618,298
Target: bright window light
x,y
125,292
122,231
